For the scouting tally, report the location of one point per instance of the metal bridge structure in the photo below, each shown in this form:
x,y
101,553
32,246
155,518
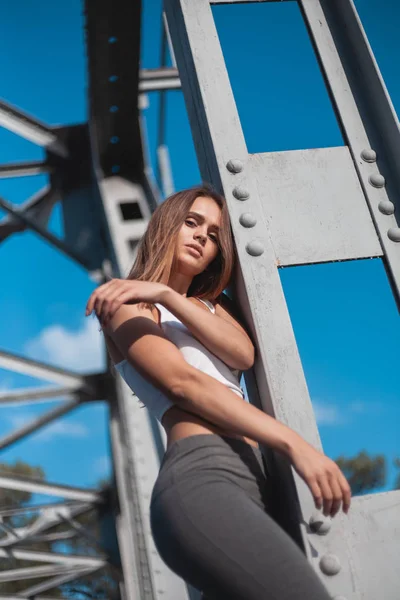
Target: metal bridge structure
x,y
287,208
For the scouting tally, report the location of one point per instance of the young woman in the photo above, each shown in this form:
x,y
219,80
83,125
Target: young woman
x,y
175,339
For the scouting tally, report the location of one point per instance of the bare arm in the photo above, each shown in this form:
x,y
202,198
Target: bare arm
x,y
142,343
139,339
220,333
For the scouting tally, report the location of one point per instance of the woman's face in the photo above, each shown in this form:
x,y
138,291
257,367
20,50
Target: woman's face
x,y
200,229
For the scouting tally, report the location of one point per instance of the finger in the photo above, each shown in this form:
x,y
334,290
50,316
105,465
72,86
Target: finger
x,y
93,297
337,495
89,304
100,304
327,494
346,490
316,492
119,288
117,302
114,301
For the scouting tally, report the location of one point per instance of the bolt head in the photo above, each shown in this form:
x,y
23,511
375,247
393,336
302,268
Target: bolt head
x,y
377,180
234,165
247,220
330,564
368,155
240,193
386,207
320,524
255,248
394,234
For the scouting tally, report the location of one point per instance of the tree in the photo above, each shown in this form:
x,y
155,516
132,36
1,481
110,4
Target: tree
x,y
100,585
363,472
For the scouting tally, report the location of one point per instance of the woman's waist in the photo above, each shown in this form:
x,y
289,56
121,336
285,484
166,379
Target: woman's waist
x,y
180,424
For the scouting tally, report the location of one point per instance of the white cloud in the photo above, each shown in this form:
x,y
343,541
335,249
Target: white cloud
x,y
328,414
52,430
81,350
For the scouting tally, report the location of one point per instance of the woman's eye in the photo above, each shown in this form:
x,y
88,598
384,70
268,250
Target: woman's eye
x,y
188,222
214,238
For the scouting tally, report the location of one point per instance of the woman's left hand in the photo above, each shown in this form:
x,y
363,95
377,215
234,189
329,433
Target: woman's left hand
x,y
107,298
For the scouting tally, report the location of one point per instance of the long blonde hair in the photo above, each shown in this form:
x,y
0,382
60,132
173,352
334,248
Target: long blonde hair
x,y
156,250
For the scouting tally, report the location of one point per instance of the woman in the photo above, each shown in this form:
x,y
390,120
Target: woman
x,y
175,339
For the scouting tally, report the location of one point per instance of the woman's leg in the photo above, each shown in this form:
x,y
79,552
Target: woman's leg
x,y
211,528
218,540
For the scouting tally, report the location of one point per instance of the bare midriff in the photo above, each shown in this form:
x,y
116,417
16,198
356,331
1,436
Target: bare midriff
x,y
179,424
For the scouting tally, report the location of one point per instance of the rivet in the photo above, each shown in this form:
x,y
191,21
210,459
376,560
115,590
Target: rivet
x,y
386,207
368,155
114,109
112,40
394,234
330,564
247,220
113,78
114,139
240,193
255,248
377,180
320,524
234,165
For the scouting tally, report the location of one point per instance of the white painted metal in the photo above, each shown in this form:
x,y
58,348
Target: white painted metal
x,y
253,186
41,394
53,557
27,366
314,206
23,169
165,170
364,108
50,489
29,128
38,423
166,31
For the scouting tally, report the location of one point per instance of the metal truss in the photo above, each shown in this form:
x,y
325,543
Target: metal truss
x,y
100,173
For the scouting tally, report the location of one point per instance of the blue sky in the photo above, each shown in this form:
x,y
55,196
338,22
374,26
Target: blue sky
x,y
344,315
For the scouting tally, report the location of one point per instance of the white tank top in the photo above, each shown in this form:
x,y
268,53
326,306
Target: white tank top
x,y
193,352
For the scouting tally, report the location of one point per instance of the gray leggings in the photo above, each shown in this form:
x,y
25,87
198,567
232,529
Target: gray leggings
x,y
210,524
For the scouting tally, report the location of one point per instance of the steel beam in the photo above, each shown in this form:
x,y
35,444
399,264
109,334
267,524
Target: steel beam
x,y
49,416
50,489
33,572
31,592
70,505
21,396
38,207
153,80
27,366
368,119
244,1
74,560
44,233
24,169
32,129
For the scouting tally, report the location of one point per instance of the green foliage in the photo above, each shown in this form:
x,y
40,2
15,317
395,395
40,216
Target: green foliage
x,y
363,472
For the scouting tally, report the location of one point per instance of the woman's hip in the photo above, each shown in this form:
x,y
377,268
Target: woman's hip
x,y
200,461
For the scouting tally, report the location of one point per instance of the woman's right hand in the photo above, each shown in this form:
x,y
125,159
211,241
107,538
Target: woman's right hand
x,y
326,481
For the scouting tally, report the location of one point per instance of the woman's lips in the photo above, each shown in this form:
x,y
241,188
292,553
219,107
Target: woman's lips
x,y
194,251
